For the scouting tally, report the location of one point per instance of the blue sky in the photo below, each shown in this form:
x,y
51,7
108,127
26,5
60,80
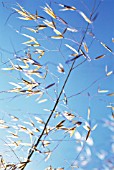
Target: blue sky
x,y
81,88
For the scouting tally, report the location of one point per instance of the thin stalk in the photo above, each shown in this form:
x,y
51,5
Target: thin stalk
x,y
58,99
56,103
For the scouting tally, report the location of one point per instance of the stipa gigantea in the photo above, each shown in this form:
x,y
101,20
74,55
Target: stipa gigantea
x,y
39,79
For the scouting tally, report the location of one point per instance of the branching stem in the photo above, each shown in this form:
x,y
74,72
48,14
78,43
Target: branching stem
x,y
56,103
